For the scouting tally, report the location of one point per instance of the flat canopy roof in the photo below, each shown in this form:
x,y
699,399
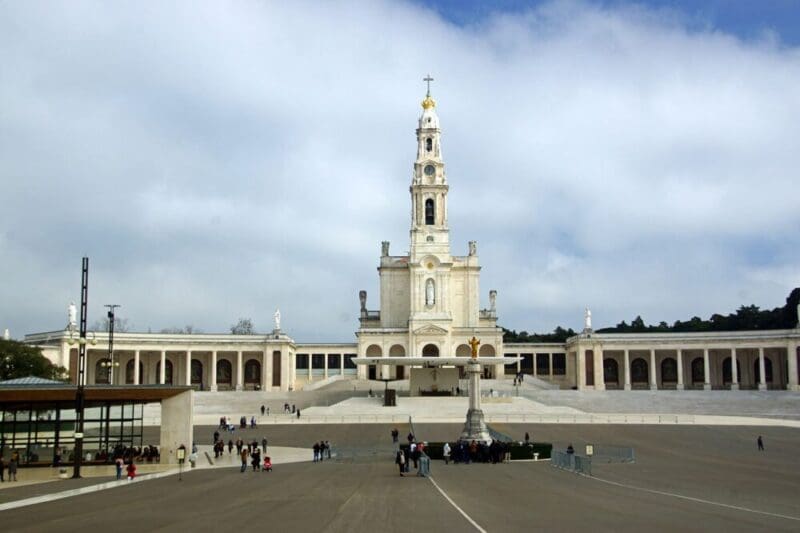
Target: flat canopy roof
x,y
98,393
436,361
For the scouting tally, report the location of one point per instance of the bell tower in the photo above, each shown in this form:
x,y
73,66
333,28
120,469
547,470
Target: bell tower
x,y
430,234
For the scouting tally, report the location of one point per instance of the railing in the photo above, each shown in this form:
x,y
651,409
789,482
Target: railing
x,y
571,462
613,454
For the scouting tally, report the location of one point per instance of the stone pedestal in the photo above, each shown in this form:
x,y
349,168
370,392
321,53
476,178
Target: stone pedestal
x,y
475,426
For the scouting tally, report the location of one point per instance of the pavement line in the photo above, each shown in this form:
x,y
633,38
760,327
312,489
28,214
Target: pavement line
x,y
459,509
690,498
83,490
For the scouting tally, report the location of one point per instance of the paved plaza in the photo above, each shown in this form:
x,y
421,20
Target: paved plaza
x,y
685,478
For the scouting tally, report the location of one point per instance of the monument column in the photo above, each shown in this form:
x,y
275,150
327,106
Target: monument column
x,y
240,370
162,378
792,366
680,368
734,370
213,371
653,382
188,368
627,371
706,370
762,382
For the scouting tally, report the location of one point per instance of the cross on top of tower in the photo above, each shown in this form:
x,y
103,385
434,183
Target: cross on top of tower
x,y
428,80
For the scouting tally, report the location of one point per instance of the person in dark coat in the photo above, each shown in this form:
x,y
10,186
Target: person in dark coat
x,y
400,461
760,443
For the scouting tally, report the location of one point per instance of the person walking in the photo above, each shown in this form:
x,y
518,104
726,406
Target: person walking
x,y
446,453
760,443
243,456
327,449
119,462
400,461
395,434
316,452
2,468
264,445
12,466
298,413
527,438
131,470
263,410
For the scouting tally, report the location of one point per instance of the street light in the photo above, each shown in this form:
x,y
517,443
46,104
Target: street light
x,y
80,395
110,364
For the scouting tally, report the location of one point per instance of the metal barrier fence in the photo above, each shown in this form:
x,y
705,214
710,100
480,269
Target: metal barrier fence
x,y
613,454
572,462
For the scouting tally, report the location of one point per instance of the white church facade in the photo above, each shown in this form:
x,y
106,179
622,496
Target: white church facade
x,y
429,305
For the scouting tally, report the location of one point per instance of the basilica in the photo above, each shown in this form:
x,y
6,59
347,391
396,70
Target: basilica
x,y
429,306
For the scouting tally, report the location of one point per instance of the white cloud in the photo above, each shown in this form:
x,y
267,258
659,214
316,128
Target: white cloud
x,y
221,160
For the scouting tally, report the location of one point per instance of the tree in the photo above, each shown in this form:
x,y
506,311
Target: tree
x,y
18,360
121,325
243,327
186,330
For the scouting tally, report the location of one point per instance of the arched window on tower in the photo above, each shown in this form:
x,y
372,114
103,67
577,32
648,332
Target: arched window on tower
x,y
429,212
428,144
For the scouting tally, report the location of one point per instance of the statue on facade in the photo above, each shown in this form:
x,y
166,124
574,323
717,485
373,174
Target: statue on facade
x,y
277,317
72,317
473,248
384,248
430,293
493,300
587,320
6,335
474,343
362,296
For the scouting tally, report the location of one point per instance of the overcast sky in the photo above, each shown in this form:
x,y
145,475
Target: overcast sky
x,y
219,160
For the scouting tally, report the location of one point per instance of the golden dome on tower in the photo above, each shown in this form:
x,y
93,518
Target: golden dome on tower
x,y
428,102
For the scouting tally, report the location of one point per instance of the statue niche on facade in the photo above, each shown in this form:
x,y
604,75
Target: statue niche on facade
x,y
430,293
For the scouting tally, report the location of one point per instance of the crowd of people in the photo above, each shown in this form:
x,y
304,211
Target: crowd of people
x,y
322,450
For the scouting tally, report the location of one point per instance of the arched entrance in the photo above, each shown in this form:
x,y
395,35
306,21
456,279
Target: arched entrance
x,y
224,374
487,350
197,374
463,350
252,374
398,351
430,350
698,371
373,351
639,371
669,371
610,371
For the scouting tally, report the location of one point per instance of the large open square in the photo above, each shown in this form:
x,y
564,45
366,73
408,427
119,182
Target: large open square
x,y
684,478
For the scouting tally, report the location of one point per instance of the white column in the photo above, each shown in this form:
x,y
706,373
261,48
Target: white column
x,y
706,371
680,368
188,367
653,382
535,373
136,376
475,371
214,370
264,356
762,383
240,371
580,363
734,371
325,366
792,366
162,378
599,381
627,371
550,364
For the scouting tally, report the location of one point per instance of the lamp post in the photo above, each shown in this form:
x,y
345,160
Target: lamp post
x,y
79,395
110,364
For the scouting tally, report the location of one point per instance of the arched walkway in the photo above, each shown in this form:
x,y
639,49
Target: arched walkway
x,y
252,374
167,372
197,373
430,350
726,371
639,371
610,371
101,371
224,374
698,371
669,371
767,370
487,350
398,351
373,351
129,366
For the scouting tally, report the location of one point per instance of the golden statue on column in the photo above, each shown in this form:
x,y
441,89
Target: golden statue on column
x,y
474,343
